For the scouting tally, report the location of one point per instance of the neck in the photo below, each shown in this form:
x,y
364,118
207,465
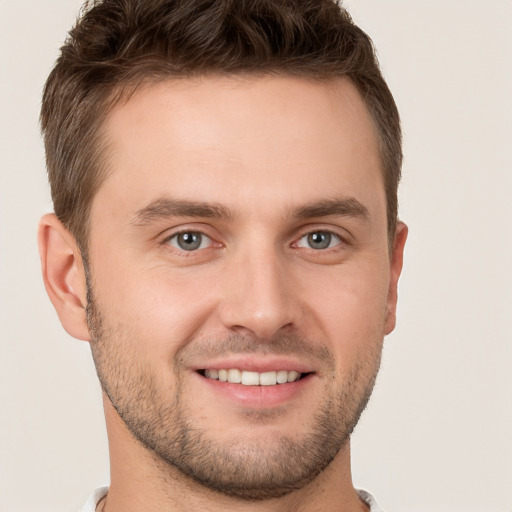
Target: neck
x,y
142,481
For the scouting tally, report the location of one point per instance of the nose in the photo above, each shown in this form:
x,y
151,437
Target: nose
x,y
258,297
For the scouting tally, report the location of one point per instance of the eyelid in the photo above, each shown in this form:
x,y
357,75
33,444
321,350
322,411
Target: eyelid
x,y
342,234
193,227
202,230
334,238
205,239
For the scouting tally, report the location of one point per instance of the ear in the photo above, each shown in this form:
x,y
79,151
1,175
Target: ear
x,y
397,258
63,275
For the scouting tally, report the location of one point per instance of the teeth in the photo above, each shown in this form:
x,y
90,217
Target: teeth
x,y
282,376
268,379
293,376
250,378
236,376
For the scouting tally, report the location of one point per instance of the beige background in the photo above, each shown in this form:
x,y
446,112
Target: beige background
x,y
438,433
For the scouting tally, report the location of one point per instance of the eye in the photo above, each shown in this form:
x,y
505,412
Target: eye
x,y
189,241
319,240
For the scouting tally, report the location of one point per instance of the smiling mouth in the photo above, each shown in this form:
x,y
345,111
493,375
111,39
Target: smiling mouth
x,y
246,378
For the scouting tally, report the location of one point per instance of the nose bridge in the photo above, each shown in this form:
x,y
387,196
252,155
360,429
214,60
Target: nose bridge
x,y
258,297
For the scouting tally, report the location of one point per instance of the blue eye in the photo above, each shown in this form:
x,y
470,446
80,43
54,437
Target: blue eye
x,y
319,240
189,241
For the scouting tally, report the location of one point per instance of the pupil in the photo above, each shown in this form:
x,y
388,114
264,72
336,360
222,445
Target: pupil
x,y
189,241
319,240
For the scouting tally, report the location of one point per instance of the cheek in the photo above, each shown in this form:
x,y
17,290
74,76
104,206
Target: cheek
x,y
159,310
349,306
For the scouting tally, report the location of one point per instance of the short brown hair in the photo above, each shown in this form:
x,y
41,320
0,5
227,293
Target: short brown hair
x,y
118,44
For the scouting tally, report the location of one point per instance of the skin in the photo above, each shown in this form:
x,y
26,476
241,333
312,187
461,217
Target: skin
x,y
263,150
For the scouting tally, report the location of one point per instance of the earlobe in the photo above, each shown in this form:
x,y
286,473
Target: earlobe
x,y
63,275
397,257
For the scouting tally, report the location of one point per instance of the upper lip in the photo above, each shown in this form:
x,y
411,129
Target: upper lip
x,y
256,364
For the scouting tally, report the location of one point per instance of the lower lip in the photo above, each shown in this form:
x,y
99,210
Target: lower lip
x,y
259,397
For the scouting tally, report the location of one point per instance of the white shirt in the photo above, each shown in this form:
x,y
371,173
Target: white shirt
x,y
93,500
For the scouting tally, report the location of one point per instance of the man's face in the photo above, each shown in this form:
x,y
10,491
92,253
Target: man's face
x,y
241,234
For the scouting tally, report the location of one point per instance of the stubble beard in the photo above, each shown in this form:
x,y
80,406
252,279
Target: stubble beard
x,y
247,470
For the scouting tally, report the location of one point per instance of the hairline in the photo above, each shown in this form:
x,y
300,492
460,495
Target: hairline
x,y
121,94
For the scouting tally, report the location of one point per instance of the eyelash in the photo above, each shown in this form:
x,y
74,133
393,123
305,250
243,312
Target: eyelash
x,y
330,234
184,252
341,242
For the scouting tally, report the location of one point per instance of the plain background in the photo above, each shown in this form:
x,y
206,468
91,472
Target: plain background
x,y
438,432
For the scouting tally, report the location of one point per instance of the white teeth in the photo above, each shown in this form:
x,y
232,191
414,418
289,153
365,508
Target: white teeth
x,y
250,378
282,377
293,376
268,378
236,376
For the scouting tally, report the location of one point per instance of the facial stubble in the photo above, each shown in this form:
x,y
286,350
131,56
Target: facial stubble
x,y
244,469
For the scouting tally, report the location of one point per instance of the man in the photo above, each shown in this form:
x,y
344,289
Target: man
x,y
224,177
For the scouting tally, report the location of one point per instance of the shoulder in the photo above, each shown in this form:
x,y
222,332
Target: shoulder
x,y
93,500
369,500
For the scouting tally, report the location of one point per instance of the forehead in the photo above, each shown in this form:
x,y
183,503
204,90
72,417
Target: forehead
x,y
248,142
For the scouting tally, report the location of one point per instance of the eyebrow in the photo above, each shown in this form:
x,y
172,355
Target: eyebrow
x,y
346,207
164,208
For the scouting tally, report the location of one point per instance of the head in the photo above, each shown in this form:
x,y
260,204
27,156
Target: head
x,y
224,176
117,46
